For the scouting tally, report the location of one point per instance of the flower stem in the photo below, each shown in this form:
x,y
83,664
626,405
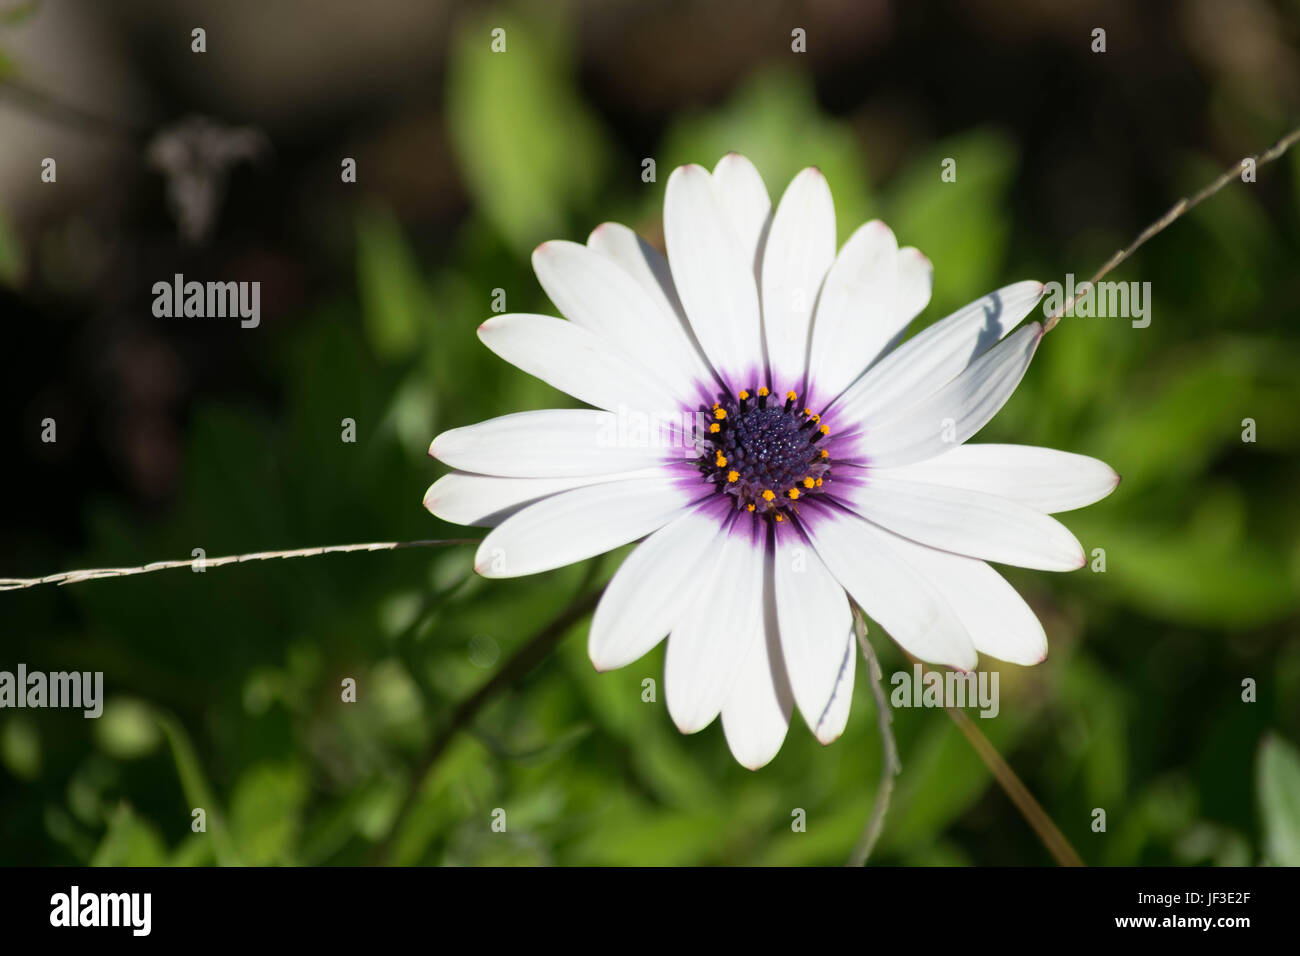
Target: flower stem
x,y
1175,212
890,765
71,577
1053,839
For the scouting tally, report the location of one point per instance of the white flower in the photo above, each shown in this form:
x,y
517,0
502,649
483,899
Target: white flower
x,y
826,460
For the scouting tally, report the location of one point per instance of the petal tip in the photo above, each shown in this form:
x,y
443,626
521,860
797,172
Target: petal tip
x,y
826,738
687,169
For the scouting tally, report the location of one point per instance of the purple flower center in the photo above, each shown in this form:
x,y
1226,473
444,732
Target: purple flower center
x,y
765,454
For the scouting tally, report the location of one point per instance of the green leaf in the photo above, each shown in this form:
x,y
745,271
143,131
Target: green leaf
x,y
1187,573
962,226
394,302
528,147
774,121
265,812
195,785
127,728
130,841
1278,785
20,748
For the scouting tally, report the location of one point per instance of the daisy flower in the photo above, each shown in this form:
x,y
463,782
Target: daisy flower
x,y
757,422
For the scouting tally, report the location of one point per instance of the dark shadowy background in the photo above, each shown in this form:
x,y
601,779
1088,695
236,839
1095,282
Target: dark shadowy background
x,y
175,434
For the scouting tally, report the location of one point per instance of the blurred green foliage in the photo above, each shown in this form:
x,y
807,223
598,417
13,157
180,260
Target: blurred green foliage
x,y
225,686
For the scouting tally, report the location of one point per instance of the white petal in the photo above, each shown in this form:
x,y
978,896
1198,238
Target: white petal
x,y
856,314
915,281
756,714
997,618
836,717
575,525
864,560
642,261
598,295
935,355
577,362
713,276
967,522
745,203
1042,478
651,590
958,410
553,443
647,265
486,500
800,249
706,649
813,612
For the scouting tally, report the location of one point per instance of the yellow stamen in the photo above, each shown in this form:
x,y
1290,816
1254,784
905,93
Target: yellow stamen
x,y
715,428
749,507
825,429
769,494
808,482
743,395
719,413
825,453
733,476
721,460
816,419
763,392
780,518
819,482
793,493
791,397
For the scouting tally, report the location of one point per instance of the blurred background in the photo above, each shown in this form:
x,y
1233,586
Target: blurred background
x,y
223,689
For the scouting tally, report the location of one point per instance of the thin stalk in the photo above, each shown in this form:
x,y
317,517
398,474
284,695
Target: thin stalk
x,y
90,574
1175,213
890,765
